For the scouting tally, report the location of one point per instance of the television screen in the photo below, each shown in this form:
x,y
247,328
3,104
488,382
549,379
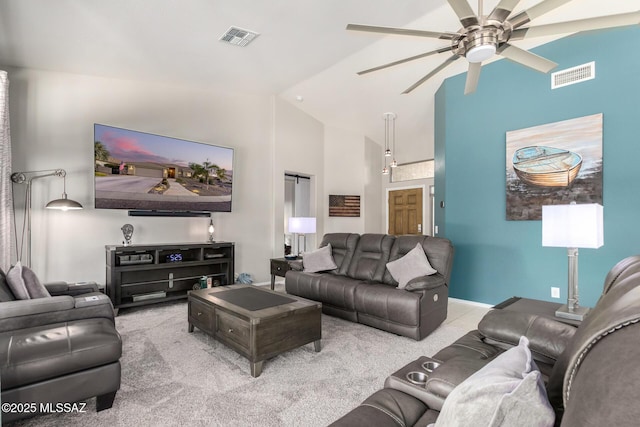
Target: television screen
x,y
141,171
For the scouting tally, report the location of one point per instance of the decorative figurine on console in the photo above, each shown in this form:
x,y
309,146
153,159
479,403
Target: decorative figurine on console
x,y
127,232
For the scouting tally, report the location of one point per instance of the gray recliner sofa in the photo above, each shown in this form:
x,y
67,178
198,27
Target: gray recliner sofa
x,y
58,349
590,373
362,290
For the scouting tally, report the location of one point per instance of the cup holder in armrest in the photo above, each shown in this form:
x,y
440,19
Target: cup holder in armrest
x,y
413,379
430,365
417,378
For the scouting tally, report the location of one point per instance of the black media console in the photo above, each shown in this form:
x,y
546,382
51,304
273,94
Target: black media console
x,y
147,274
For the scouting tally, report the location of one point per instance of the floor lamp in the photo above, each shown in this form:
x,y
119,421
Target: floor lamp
x,y
302,225
61,204
572,227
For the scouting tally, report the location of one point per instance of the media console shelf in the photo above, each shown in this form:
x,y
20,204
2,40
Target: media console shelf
x,y
147,274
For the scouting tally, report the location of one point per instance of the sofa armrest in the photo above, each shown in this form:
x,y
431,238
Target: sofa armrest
x,y
547,337
91,300
451,373
30,307
73,289
423,283
30,313
296,265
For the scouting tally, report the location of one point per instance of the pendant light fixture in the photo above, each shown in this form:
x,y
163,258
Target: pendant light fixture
x,y
389,140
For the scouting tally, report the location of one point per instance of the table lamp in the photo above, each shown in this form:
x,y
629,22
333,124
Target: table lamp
x,y
572,226
302,225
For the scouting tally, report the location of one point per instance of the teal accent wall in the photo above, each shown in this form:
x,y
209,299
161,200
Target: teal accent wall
x,y
495,258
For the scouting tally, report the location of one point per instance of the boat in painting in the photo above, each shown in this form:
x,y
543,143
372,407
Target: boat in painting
x,y
546,166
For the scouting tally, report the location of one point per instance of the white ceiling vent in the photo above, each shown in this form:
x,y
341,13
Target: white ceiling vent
x,y
238,36
573,75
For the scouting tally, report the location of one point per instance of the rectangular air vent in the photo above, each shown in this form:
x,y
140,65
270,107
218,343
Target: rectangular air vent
x,y
238,36
573,75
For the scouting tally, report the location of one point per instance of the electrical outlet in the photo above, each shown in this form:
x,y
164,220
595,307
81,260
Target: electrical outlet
x,y
555,292
436,229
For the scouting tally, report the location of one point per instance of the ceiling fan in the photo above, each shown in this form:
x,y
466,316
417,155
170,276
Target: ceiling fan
x,y
483,36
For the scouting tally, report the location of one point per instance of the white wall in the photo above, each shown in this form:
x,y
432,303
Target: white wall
x,y
52,117
344,156
298,148
373,221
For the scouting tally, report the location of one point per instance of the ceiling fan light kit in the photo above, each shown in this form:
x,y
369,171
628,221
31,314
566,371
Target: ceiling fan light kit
x,y
483,36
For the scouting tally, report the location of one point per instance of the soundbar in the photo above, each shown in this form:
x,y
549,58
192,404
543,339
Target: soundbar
x,y
169,213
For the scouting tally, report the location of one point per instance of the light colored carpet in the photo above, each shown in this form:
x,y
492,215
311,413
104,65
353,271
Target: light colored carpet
x,y
173,378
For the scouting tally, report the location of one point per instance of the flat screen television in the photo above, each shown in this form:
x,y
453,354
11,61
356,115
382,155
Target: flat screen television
x,y
150,173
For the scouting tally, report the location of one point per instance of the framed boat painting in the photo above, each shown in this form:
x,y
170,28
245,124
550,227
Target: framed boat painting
x,y
553,164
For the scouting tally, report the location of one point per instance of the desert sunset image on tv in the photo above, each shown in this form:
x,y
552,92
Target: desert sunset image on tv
x,y
137,170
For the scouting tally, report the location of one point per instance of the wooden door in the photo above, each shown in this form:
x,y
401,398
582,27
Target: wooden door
x,y
405,211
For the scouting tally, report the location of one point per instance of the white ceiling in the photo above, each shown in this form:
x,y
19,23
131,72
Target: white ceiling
x,y
303,50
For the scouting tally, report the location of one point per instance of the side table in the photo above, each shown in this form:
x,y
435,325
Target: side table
x,y
534,306
279,267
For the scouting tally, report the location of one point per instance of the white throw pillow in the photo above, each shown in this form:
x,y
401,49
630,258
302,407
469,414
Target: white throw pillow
x,y
319,260
508,391
413,264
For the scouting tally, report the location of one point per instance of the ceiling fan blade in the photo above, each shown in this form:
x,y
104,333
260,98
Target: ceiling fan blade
x,y
466,15
402,61
536,11
401,31
526,58
473,76
503,10
621,20
432,73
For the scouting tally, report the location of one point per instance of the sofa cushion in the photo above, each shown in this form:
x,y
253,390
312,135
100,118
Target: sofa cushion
x,y
5,290
388,303
387,408
40,353
414,264
507,391
330,289
343,246
22,279
16,282
469,346
548,338
370,257
318,260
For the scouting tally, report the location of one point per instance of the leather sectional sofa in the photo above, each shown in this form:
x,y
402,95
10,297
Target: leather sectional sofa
x,y
588,374
57,350
361,288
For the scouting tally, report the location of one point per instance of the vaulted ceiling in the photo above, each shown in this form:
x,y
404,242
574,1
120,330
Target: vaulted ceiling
x,y
303,50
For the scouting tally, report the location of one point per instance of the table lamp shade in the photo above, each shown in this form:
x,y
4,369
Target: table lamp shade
x,y
302,225
573,226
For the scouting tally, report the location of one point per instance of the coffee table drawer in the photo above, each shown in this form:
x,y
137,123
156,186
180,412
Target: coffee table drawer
x,y
230,328
202,315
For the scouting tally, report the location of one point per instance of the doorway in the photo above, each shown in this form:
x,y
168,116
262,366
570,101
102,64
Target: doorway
x,y
406,211
297,203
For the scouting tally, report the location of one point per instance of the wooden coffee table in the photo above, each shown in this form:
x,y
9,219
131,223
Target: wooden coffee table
x,y
258,323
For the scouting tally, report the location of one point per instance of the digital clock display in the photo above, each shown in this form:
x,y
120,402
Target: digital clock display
x,y
175,257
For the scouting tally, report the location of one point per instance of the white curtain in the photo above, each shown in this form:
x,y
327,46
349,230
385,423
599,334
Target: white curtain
x,y
5,175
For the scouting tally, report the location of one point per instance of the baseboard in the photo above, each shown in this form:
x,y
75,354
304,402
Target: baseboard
x,y
262,284
474,303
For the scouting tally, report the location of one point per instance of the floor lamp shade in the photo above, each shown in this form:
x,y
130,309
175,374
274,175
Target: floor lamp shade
x,y
572,226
